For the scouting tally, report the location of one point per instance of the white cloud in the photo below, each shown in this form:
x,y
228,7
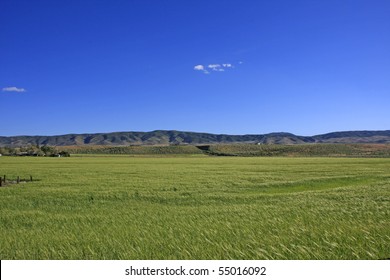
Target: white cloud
x,y
214,67
13,89
199,67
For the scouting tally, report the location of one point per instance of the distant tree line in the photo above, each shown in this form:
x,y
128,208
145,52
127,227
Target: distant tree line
x,y
34,150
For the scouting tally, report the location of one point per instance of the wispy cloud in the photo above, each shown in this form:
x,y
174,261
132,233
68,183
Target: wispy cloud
x,y
13,89
217,67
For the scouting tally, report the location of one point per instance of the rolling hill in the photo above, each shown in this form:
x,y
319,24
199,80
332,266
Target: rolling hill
x,y
173,137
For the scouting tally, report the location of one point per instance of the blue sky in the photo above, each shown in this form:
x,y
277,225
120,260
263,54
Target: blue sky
x,y
234,67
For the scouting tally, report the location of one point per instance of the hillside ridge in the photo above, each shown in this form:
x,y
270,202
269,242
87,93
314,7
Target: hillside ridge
x,y
174,137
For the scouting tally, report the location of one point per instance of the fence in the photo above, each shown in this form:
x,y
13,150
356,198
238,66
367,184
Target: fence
x,y
4,181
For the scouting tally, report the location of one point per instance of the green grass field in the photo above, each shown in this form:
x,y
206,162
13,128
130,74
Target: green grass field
x,y
195,208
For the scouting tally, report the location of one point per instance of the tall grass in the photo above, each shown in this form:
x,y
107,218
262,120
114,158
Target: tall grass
x,y
195,208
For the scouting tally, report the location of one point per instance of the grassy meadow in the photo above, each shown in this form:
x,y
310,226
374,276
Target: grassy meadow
x,y
195,207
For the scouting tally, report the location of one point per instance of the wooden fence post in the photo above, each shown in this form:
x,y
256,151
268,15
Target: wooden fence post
x,y
18,180
30,178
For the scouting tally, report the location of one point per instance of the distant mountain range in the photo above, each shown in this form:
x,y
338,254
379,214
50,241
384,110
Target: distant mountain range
x,y
173,137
